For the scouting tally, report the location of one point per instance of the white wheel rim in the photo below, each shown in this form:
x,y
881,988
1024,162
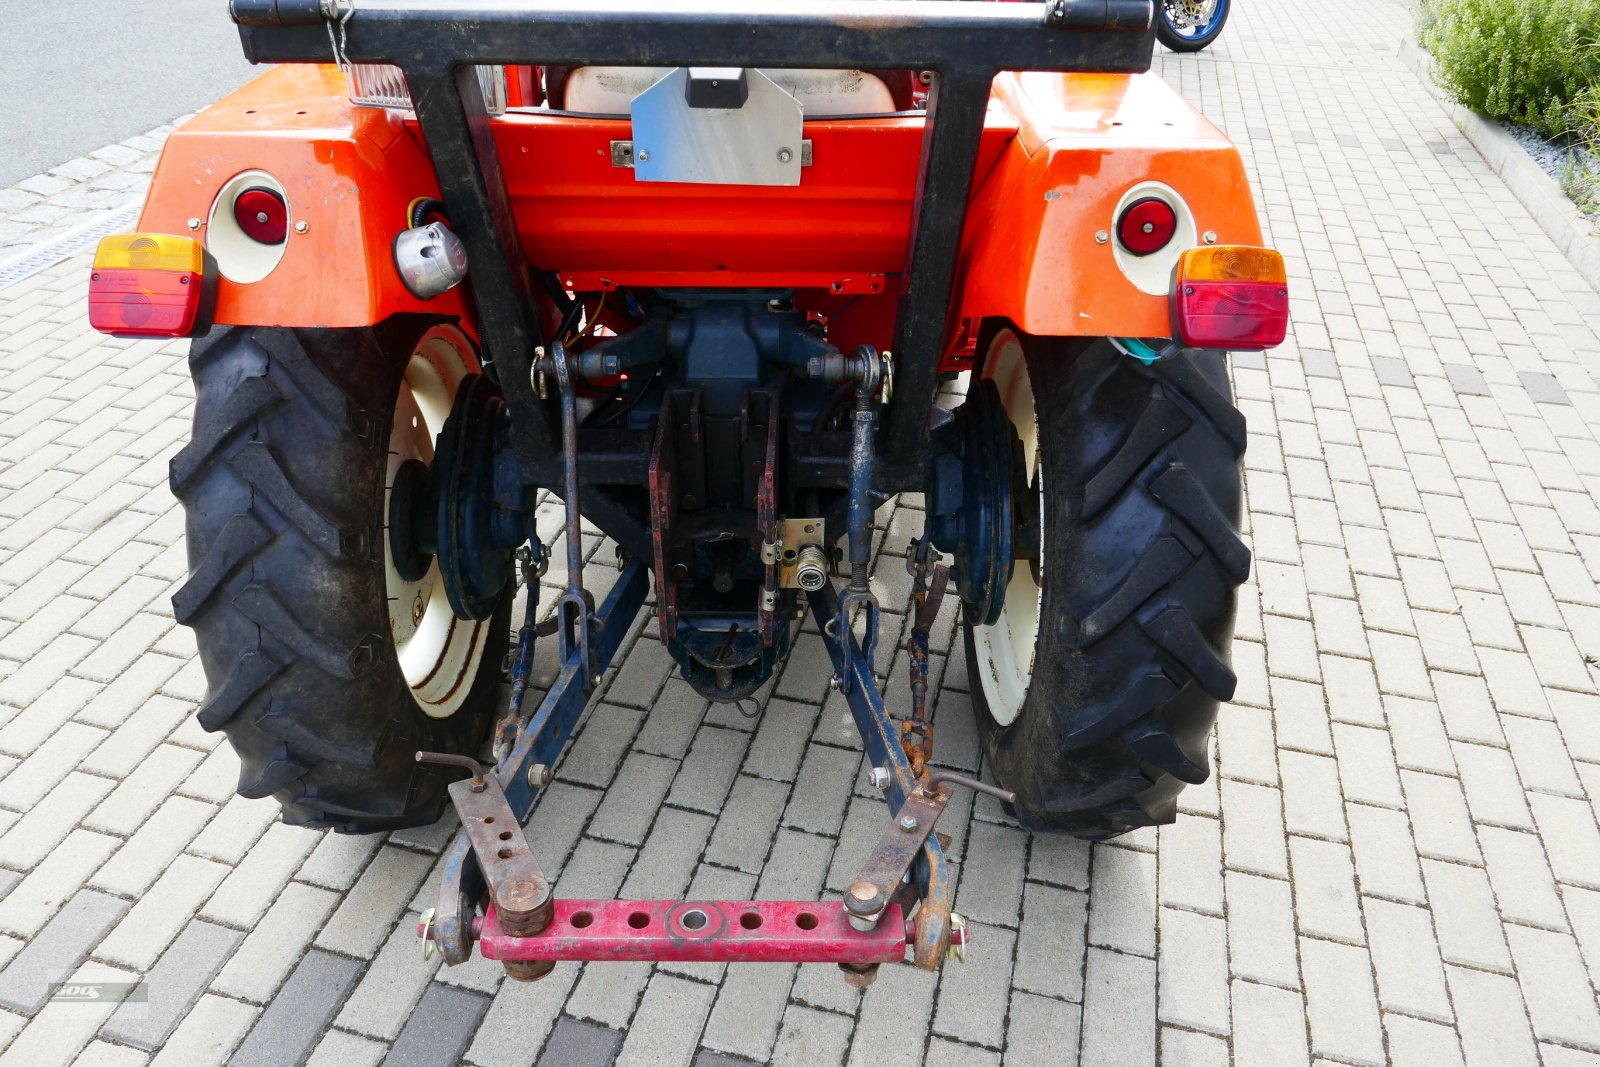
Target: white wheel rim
x,y
438,653
1005,651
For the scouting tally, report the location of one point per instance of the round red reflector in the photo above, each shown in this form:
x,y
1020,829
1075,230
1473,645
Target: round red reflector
x,y
1147,226
262,215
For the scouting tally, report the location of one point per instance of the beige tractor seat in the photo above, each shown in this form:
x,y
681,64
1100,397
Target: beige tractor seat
x,y
822,93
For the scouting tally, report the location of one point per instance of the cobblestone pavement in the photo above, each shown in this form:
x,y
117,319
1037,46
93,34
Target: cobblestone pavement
x,y
1397,861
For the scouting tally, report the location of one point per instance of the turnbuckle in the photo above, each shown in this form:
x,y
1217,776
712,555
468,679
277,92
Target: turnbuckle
x,y
866,367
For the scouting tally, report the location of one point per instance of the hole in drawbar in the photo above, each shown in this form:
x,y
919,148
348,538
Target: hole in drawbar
x,y
694,920
581,919
806,921
639,920
750,921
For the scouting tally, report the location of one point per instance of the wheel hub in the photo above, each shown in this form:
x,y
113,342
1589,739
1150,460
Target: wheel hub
x,y
465,509
980,509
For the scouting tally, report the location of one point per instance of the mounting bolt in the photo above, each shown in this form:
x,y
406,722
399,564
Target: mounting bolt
x,y
863,906
302,226
833,682
1101,237
642,155
1210,237
194,223
908,823
879,777
785,155
539,776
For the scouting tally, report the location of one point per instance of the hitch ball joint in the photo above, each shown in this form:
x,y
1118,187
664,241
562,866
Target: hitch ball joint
x,y
431,259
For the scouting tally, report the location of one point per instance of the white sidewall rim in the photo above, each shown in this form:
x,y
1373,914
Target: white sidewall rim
x,y
1005,651
439,654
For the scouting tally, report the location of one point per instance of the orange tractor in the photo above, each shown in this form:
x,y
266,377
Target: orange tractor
x,y
698,270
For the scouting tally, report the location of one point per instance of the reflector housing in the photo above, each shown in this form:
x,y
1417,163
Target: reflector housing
x,y
146,285
1147,226
262,215
1230,296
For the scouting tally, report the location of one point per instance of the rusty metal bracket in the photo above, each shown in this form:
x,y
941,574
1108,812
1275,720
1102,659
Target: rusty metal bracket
x,y
518,889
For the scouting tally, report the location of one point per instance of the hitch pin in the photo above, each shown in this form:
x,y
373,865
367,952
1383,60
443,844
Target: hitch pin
x,y
450,759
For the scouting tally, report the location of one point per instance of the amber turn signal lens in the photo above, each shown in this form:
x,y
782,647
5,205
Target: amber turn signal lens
x,y
146,285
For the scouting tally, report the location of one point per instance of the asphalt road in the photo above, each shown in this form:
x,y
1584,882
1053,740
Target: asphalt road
x,y
80,74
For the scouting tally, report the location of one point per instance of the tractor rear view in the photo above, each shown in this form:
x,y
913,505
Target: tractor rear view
x,y
699,272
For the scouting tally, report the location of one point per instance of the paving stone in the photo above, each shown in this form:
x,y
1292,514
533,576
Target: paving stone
x,y
519,1018
1042,1032
1340,1001
666,1029
393,983
1490,1018
368,912
439,1028
895,1017
32,901
1555,987
1193,979
294,1021
1405,958
1122,911
578,1043
1521,878
810,1036
275,944
1268,1024
58,949
174,983
207,1034
339,1049
749,1010
971,1001
743,842
1119,1009
1261,930
153,847
1325,893
160,914
246,893
1414,1041
62,1028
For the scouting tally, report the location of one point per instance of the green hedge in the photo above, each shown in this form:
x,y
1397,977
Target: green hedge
x,y
1528,61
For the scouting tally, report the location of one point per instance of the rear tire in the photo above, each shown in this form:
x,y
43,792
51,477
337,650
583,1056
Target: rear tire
x,y
1097,689
290,589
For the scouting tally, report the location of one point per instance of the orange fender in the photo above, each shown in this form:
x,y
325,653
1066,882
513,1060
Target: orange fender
x,y
348,174
1030,251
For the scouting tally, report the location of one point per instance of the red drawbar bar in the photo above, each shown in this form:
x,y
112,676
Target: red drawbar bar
x,y
703,931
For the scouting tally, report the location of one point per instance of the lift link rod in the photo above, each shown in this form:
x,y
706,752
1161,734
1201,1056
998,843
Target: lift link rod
x,y
916,732
575,609
865,368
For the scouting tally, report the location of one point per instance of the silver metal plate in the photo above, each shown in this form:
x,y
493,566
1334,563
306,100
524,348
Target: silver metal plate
x,y
757,144
622,153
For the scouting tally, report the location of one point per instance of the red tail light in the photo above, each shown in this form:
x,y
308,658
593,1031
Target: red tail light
x,y
1147,226
262,215
1231,296
146,285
